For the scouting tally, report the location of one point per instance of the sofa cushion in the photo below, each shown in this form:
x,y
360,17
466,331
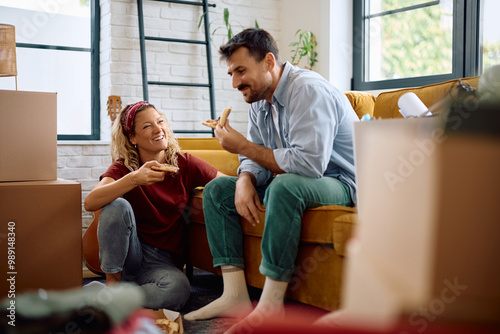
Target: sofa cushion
x,y
224,161
199,143
386,103
362,102
317,224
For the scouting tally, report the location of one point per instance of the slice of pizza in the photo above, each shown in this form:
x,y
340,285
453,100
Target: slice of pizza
x,y
212,123
167,326
166,168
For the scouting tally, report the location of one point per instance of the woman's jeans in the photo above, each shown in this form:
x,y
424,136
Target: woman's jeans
x,y
164,285
285,199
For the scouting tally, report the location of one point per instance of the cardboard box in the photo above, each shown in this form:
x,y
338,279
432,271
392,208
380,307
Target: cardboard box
x,y
465,263
426,248
40,236
28,136
389,258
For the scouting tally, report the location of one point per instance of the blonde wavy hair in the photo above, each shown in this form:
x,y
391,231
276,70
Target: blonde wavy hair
x,y
122,148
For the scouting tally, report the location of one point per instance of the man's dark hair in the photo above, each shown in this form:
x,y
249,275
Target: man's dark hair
x,y
258,42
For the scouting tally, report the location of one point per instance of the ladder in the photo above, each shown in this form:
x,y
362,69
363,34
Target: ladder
x,y
206,42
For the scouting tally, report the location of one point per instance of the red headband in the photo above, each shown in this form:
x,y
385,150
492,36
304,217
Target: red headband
x,y
128,116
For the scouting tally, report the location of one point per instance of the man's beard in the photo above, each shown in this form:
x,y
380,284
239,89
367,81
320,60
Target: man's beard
x,y
254,96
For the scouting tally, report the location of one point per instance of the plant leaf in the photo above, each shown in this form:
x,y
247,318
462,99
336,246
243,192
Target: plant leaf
x,y
201,20
226,17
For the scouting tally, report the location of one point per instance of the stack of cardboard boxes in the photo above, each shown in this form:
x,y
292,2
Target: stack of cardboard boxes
x,y
40,215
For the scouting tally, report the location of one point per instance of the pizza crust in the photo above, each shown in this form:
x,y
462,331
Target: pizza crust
x,y
166,168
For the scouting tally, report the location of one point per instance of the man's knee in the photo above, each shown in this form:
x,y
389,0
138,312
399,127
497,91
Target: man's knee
x,y
217,187
282,186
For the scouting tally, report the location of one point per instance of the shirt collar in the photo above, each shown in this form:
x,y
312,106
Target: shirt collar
x,y
280,91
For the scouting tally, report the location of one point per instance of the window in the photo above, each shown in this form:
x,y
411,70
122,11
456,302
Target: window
x,y
57,51
489,44
404,43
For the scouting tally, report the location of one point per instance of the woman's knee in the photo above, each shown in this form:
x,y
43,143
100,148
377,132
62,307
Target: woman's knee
x,y
114,217
171,291
116,211
115,208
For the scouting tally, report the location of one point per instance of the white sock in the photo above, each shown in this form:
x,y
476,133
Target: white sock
x,y
234,297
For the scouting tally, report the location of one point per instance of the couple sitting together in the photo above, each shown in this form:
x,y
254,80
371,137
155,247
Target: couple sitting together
x,y
298,154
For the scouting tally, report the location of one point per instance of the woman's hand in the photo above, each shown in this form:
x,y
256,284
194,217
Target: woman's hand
x,y
107,190
247,200
145,176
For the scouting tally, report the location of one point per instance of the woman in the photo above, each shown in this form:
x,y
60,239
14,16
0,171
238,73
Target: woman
x,y
141,223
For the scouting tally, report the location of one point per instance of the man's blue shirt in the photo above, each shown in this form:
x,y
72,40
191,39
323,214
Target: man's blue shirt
x,y
315,125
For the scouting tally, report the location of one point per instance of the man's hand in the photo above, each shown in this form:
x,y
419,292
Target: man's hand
x,y
246,199
230,139
234,142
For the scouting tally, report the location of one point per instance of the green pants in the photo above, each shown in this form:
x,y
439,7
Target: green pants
x,y
285,198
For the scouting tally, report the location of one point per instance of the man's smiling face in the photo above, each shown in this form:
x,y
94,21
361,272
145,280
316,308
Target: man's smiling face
x,y
250,77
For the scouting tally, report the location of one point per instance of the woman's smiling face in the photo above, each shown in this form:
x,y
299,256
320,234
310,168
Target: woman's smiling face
x,y
150,131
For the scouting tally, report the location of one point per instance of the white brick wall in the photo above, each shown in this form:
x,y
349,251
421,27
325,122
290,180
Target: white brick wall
x,y
120,70
83,163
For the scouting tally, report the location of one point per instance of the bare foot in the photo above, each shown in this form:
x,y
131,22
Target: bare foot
x,y
113,278
222,307
263,312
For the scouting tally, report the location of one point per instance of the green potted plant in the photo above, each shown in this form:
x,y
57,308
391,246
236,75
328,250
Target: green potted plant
x,y
304,47
227,25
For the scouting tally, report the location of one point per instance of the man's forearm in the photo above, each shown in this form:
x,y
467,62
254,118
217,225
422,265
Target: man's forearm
x,y
262,155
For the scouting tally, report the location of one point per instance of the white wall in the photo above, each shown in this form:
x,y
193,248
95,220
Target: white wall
x,y
306,15
331,22
341,49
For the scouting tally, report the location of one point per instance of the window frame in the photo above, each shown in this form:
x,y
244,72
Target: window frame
x,y
465,48
95,93
95,32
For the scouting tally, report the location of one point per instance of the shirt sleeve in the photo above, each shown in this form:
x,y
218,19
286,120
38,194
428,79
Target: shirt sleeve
x,y
116,171
313,124
262,175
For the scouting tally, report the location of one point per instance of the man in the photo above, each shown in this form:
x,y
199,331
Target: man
x,y
300,129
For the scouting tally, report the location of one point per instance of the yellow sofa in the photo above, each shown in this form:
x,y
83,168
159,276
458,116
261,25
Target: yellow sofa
x,y
325,230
